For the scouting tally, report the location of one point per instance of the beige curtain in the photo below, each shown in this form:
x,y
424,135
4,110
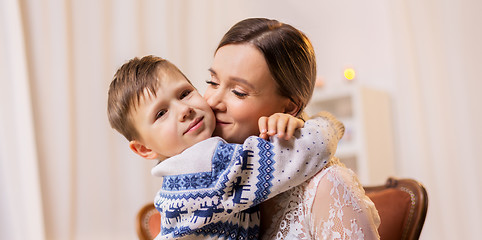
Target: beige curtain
x,y
21,199
66,175
59,61
438,61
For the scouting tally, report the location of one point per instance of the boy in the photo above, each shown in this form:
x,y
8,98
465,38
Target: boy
x,y
209,188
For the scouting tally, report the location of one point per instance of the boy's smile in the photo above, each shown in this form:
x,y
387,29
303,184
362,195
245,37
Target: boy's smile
x,y
196,124
171,120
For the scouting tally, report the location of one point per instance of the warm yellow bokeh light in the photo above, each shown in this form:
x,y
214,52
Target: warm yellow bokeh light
x,y
349,73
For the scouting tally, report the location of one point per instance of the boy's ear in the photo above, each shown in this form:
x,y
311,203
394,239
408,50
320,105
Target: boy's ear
x,y
292,108
141,150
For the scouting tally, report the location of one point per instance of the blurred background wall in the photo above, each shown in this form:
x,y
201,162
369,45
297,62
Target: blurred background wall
x,y
65,174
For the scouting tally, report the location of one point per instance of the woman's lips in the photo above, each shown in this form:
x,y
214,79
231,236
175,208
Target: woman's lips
x,y
196,124
221,122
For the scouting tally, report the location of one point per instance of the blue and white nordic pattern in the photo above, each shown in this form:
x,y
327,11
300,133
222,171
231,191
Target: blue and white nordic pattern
x,y
218,229
207,188
265,172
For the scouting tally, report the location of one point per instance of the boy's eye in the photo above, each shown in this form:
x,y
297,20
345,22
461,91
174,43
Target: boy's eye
x,y
185,94
239,94
160,114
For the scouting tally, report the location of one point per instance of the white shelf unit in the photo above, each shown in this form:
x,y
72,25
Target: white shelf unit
x,y
367,145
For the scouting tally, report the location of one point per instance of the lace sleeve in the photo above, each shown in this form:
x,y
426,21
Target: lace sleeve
x,y
341,210
331,205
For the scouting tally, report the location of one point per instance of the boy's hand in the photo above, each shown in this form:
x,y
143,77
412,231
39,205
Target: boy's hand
x,y
279,123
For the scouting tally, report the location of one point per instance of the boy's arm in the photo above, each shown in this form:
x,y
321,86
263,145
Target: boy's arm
x,y
240,176
264,169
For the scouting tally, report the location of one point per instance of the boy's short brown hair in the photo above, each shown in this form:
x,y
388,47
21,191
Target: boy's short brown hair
x,y
128,86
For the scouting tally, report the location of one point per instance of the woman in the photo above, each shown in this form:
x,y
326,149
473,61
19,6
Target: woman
x,y
257,63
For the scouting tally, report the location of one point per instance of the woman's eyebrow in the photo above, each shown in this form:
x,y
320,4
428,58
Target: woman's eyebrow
x,y
235,79
212,71
242,81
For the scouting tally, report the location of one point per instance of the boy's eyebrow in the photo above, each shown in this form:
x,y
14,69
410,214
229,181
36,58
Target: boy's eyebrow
x,y
236,79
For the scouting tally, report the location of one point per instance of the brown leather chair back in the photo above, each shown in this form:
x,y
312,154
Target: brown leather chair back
x,y
148,222
402,205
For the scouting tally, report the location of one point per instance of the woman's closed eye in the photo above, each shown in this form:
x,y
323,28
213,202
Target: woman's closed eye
x,y
239,94
213,84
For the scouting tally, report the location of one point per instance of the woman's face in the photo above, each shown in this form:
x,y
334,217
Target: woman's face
x,y
240,91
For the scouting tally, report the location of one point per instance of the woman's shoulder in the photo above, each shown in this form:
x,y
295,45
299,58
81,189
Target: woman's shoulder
x,y
336,174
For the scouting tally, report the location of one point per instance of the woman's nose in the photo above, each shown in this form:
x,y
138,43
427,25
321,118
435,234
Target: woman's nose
x,y
215,99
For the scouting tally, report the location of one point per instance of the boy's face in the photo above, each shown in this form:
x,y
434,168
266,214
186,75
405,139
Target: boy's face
x,y
173,120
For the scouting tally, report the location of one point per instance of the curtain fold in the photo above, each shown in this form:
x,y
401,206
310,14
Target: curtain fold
x,y
438,111
21,201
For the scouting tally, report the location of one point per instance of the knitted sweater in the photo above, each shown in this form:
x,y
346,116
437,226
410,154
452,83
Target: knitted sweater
x,y
211,190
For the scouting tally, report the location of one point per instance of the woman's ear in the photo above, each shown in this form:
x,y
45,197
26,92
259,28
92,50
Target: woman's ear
x,y
292,108
142,150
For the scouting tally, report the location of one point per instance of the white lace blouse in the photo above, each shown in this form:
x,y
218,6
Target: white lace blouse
x,y
343,211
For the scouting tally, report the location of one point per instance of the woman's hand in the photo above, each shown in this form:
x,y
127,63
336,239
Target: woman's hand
x,y
279,123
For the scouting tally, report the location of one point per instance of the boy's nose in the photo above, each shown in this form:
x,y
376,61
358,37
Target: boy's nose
x,y
186,112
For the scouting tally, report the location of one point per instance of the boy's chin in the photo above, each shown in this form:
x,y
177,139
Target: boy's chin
x,y
205,135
